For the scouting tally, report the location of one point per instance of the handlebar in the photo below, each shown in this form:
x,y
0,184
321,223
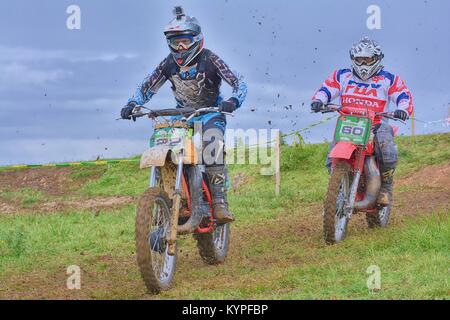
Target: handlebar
x,y
331,107
187,113
162,113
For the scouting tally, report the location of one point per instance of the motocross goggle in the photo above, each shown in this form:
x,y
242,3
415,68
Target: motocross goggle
x,y
368,61
183,42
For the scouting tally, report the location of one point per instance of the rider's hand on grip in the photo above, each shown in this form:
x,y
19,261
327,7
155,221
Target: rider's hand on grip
x,y
228,106
317,106
401,114
127,111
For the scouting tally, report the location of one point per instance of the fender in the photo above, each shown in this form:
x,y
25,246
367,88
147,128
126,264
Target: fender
x,y
343,150
154,157
157,156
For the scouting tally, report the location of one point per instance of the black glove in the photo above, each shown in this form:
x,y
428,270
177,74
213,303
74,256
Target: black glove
x,y
401,114
317,106
127,111
228,106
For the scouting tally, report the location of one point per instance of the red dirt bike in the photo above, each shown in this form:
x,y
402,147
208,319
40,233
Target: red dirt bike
x,y
166,209
355,179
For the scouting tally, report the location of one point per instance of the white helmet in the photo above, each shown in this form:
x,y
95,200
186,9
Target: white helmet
x,y
366,58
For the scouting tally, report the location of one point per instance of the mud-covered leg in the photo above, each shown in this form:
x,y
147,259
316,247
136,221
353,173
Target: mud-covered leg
x,y
217,179
214,159
386,151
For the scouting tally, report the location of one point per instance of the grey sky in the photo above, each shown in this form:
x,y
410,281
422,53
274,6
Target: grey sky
x,y
61,90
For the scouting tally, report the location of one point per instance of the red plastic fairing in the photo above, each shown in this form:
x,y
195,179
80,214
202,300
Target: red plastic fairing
x,y
343,150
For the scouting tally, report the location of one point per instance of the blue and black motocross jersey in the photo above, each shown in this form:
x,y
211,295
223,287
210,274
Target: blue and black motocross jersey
x,y
196,86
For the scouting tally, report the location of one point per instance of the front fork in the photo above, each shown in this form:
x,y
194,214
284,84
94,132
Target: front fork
x,y
350,206
172,235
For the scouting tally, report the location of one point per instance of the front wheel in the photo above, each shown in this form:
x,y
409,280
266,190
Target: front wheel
x,y
335,220
379,219
157,267
213,247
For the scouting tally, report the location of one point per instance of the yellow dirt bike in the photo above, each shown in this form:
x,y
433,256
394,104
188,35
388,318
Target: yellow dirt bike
x,y
178,200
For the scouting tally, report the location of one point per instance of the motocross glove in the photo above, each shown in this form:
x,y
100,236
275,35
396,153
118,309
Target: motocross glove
x,y
228,106
127,111
317,106
401,114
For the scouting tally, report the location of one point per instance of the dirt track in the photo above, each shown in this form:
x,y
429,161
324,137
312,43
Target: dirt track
x,y
58,188
423,192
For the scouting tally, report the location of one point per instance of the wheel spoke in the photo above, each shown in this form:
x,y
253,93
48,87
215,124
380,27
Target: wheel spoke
x,y
161,262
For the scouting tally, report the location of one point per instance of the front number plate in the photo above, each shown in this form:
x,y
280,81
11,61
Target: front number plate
x,y
353,129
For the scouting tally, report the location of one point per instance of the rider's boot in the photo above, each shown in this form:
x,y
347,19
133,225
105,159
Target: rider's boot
x,y
387,185
217,181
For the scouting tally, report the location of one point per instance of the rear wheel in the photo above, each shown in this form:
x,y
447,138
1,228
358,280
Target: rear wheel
x,y
213,247
379,219
157,267
334,219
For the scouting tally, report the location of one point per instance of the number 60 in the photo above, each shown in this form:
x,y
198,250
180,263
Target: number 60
x,y
357,131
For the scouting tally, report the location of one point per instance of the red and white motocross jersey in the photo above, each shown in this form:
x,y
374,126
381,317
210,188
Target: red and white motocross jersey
x,y
375,93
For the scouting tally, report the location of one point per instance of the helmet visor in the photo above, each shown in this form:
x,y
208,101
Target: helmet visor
x,y
181,43
368,61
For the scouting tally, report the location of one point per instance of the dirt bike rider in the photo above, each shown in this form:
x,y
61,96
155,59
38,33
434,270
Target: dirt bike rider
x,y
196,74
368,84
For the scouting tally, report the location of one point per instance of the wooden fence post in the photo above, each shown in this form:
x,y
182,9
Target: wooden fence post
x,y
277,163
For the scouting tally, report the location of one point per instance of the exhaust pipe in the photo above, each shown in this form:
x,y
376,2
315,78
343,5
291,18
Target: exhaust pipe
x,y
198,211
373,184
192,224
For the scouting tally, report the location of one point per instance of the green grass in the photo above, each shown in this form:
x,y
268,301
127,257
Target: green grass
x,y
26,196
413,260
413,257
49,241
420,151
118,179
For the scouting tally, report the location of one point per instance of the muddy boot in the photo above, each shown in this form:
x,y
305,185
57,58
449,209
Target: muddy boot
x,y
387,182
217,181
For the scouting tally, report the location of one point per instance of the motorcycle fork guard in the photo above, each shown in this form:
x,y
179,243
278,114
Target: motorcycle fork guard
x,y
173,232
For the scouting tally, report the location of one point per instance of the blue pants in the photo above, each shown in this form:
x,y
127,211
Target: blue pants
x,y
214,140
213,130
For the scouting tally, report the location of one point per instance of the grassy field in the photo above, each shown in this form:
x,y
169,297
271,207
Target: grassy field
x,y
277,251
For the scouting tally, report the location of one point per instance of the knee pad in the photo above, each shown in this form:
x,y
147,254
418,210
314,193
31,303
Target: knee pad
x,y
213,147
385,146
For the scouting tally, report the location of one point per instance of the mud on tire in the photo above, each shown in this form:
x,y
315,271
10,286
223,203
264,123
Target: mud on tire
x,y
379,219
213,247
329,215
145,256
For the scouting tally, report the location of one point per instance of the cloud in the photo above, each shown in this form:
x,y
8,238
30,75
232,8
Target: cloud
x,y
23,54
21,74
20,66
